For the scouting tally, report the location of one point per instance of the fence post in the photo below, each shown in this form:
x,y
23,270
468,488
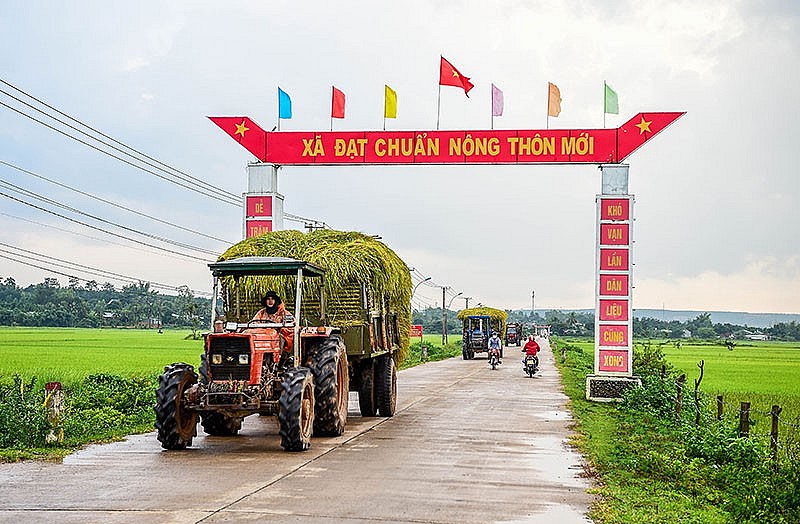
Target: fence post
x,y
744,420
663,371
773,435
697,382
679,402
719,407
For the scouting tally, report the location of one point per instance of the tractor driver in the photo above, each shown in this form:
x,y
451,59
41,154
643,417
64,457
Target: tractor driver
x,y
274,311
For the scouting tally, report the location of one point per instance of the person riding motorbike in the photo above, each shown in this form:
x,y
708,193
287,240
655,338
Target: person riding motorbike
x,y
531,348
494,346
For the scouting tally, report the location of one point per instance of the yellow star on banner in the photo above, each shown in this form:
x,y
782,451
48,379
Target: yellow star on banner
x,y
241,129
644,126
455,74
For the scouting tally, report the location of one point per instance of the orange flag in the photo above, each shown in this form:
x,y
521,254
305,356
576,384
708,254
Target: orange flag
x,y
450,76
553,100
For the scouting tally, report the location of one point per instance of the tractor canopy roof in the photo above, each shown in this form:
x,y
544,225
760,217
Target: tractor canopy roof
x,y
264,266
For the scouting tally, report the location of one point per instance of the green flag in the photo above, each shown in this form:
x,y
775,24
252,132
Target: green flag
x,y
611,104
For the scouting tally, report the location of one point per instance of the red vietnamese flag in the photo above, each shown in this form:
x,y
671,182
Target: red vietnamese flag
x,y
337,104
246,132
641,128
450,76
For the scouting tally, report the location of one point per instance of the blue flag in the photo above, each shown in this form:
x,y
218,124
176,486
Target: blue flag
x,y
284,104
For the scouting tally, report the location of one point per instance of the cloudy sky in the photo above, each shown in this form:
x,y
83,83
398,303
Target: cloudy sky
x,y
716,193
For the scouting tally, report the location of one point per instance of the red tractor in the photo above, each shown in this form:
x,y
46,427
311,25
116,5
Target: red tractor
x,y
299,374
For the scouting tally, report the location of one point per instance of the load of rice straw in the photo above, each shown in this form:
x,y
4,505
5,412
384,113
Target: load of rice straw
x,y
497,317
350,260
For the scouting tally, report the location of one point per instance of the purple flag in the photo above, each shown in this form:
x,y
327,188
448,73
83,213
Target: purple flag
x,y
497,101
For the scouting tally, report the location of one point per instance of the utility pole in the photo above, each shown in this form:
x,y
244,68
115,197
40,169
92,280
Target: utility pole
x,y
533,295
466,300
444,316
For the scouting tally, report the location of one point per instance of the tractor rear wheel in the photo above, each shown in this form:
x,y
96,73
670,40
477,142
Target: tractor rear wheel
x,y
464,353
366,394
331,387
386,384
296,409
220,425
176,425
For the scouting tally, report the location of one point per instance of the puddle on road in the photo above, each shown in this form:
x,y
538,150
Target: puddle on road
x,y
560,513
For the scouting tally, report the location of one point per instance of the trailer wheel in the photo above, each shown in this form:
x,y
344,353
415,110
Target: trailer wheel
x,y
176,425
331,387
386,383
464,353
220,425
296,409
366,395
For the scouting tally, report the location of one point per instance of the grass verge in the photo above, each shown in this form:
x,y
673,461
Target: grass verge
x,y
652,469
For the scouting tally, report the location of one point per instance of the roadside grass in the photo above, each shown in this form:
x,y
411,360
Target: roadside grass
x,y
651,469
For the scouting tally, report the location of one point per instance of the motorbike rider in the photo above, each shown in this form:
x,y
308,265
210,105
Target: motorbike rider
x,y
531,348
494,345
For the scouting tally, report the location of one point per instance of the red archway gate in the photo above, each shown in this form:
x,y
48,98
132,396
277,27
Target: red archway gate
x,y
606,147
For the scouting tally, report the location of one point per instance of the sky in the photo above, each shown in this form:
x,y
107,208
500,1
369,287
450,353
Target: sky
x,y
715,193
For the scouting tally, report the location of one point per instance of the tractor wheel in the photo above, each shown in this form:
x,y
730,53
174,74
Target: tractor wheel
x,y
176,425
296,409
386,384
331,387
472,354
220,425
366,395
464,353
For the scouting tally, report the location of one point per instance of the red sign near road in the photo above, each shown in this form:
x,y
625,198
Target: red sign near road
x,y
581,146
416,330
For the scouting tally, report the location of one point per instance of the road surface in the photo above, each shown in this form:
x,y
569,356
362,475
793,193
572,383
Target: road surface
x,y
467,445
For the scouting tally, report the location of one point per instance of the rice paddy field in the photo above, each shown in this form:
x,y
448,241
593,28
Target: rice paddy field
x,y
70,354
763,373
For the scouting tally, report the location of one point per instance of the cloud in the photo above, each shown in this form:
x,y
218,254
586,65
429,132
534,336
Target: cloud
x,y
765,284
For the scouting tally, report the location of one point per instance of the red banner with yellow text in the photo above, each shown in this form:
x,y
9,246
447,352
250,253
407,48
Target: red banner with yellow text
x,y
587,146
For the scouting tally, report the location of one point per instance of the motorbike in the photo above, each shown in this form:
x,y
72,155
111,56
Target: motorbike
x,y
494,358
531,365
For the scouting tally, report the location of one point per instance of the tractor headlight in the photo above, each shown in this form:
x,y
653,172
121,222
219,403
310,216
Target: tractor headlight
x,y
244,359
216,359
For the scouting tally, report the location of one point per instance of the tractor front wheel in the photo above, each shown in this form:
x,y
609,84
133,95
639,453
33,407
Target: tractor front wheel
x,y
176,425
331,387
296,409
386,384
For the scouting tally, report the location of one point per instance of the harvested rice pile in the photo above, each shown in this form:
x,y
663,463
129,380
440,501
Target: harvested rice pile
x,y
349,259
497,317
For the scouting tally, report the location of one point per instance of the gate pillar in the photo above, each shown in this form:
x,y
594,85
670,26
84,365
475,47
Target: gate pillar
x,y
263,205
613,314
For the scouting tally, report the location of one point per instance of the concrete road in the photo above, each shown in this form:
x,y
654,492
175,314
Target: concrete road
x,y
467,445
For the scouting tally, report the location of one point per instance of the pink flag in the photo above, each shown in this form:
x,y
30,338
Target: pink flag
x,y
497,101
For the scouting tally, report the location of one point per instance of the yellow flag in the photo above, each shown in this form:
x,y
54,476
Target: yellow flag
x,y
390,103
553,100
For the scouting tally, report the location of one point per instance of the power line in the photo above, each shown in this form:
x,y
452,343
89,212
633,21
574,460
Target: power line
x,y
191,188
90,271
104,240
180,174
30,194
101,229
42,177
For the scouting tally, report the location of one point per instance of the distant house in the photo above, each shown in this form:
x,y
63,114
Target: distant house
x,y
686,334
750,335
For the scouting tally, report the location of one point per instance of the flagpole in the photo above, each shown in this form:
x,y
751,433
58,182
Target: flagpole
x,y
279,108
438,105
604,104
547,119
491,104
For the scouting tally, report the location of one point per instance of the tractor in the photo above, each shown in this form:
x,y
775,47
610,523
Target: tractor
x,y
298,370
